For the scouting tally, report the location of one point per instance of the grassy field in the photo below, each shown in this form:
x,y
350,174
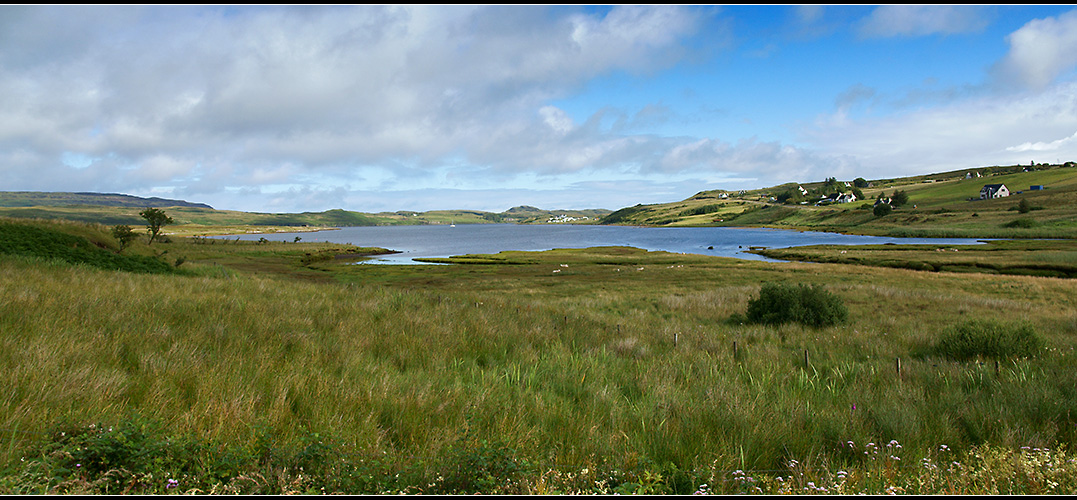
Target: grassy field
x,y
939,206
1052,258
283,368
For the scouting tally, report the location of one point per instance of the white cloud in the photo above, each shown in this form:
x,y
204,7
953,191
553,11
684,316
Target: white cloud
x,y
252,95
971,132
920,20
1043,146
1040,51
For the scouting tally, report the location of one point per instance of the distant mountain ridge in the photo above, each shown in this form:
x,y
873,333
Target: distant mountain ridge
x,y
35,198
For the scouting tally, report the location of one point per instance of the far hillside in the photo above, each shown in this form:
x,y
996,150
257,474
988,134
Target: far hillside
x,y
199,218
1042,204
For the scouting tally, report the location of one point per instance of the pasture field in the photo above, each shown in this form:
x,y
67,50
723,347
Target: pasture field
x,y
284,368
940,205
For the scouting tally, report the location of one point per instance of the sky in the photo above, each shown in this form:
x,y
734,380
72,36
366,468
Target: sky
x,y
381,108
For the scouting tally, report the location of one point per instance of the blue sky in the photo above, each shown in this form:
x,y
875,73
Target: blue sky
x,y
384,108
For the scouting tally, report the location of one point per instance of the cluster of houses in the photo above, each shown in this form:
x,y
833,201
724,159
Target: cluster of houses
x,y
563,219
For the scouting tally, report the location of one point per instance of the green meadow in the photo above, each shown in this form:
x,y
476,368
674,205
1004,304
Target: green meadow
x,y
939,205
285,367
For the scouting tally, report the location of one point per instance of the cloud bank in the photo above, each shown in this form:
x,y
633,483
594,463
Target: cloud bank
x,y
370,108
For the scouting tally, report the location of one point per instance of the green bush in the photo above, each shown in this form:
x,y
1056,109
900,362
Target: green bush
x,y
988,338
1022,223
808,305
882,209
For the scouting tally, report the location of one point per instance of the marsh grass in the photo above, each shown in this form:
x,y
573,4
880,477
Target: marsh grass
x,y
387,378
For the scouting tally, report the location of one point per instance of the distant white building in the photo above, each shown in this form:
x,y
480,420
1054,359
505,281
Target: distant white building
x,y
991,191
846,198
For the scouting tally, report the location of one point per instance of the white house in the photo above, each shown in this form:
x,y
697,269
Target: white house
x,y
990,191
846,198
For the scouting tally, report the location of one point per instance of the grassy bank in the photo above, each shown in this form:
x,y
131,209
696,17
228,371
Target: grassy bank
x,y
593,370
1050,258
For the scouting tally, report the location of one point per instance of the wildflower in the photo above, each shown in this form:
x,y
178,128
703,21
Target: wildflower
x,y
944,448
172,483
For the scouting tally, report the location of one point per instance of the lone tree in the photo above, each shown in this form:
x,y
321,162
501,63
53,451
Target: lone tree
x,y
155,219
1024,206
124,234
900,198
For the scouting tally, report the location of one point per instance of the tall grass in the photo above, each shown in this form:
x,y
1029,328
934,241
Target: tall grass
x,y
594,367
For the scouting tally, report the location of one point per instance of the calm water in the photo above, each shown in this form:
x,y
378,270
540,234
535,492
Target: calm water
x,y
445,241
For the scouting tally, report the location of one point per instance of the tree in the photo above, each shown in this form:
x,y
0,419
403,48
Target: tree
x,y
860,182
124,234
155,220
900,198
1024,206
882,209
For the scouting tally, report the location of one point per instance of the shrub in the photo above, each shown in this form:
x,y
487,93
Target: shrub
x,y
988,338
882,209
1022,223
808,305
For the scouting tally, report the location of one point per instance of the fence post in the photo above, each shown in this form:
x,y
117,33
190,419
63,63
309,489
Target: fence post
x,y
735,355
806,364
897,366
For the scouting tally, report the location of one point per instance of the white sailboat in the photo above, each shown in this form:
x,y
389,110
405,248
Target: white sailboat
x,y
452,223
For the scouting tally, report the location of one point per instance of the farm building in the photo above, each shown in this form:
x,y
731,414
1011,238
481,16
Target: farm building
x,y
991,191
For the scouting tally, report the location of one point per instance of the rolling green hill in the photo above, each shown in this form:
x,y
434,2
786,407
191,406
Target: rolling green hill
x,y
199,218
945,204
